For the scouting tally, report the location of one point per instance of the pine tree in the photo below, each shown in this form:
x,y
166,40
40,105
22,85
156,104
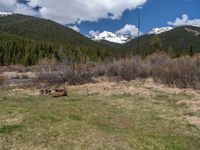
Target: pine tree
x,y
191,53
156,44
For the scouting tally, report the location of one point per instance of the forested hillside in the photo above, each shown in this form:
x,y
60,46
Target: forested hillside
x,y
176,42
26,40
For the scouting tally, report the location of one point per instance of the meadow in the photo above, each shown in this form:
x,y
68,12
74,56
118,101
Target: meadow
x,y
120,115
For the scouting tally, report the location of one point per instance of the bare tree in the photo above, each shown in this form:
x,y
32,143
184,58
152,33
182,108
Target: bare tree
x,y
138,37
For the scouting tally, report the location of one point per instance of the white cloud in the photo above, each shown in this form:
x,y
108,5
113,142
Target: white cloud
x,y
7,5
184,21
75,28
72,11
76,11
129,29
94,33
15,7
24,9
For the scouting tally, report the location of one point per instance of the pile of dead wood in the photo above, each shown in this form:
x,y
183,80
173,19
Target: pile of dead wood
x,y
57,92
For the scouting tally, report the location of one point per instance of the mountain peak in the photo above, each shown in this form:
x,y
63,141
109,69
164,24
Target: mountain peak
x,y
111,37
160,30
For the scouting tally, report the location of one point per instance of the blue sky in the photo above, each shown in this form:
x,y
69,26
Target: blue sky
x,y
155,13
118,16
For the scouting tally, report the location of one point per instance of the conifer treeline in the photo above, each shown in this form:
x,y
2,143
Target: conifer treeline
x,y
20,50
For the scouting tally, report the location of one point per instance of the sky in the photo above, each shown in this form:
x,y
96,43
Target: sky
x,y
90,17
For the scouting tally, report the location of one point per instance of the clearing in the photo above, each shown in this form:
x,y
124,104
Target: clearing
x,y
138,115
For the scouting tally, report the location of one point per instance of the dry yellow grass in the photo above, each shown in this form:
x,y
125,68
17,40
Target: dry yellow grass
x,y
139,114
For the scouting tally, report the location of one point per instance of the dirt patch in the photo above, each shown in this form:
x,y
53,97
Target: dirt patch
x,y
18,75
24,92
194,121
194,105
11,120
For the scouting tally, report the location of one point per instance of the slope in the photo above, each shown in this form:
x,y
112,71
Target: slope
x,y
179,41
19,31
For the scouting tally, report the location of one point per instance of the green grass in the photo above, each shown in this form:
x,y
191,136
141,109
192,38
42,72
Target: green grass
x,y
96,122
8,129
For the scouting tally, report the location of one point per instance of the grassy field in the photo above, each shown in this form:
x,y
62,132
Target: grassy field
x,y
147,119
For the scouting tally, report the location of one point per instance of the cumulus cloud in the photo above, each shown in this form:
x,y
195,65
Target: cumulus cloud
x,y
75,11
17,6
7,5
75,28
184,21
94,33
129,29
26,10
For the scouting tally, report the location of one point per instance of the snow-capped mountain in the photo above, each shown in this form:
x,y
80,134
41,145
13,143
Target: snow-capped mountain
x,y
160,30
111,37
2,14
121,39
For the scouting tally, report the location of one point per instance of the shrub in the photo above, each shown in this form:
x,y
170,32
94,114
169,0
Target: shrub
x,y
62,73
182,72
128,69
1,79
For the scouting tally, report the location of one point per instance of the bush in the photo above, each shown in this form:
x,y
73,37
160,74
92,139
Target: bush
x,y
61,73
1,79
183,72
128,69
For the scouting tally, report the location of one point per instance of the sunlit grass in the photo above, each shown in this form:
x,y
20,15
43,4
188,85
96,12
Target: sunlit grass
x,y
94,121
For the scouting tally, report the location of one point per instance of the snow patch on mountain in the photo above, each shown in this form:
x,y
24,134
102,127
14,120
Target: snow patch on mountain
x,y
160,30
111,37
2,14
123,37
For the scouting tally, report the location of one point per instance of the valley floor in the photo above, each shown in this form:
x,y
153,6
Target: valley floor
x,y
138,115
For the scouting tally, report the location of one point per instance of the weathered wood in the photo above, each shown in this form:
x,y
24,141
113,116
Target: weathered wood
x,y
45,91
60,90
59,94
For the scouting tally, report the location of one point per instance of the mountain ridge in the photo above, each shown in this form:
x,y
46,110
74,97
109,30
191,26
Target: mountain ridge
x,y
41,38
178,40
31,35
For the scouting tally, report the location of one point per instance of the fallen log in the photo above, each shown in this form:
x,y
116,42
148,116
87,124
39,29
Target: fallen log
x,y
59,94
60,90
45,91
